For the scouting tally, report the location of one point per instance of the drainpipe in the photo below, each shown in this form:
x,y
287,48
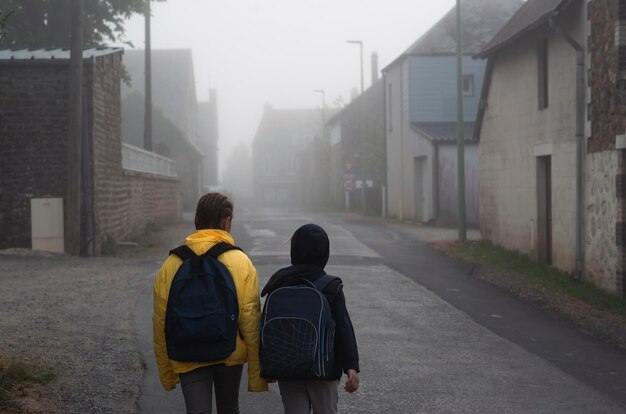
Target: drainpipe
x,y
580,130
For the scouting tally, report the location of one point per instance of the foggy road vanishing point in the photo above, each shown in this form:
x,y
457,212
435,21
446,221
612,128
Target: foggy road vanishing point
x,y
431,339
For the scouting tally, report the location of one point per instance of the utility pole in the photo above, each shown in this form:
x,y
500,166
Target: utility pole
x,y
73,192
460,132
147,131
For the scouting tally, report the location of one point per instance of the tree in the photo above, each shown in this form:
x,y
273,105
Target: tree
x,y
46,23
4,16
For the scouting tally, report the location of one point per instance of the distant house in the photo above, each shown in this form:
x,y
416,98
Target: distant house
x,y
208,139
530,197
357,139
421,115
174,94
277,153
119,197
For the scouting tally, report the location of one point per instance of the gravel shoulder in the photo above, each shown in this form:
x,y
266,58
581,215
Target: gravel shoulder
x,y
75,316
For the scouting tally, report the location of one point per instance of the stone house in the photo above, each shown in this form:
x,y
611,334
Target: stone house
x,y
421,115
278,155
174,95
551,130
118,201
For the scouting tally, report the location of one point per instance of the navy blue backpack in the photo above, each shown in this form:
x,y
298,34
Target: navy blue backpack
x,y
202,316
298,331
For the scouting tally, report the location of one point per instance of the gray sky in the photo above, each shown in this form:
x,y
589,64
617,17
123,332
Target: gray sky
x,y
279,51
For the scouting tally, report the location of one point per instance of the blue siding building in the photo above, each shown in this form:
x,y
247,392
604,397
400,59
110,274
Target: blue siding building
x,y
432,90
421,115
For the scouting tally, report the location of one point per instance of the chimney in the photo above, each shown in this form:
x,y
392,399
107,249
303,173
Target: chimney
x,y
374,67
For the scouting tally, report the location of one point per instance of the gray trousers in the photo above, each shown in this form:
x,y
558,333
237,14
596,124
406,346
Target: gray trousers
x,y
299,397
198,386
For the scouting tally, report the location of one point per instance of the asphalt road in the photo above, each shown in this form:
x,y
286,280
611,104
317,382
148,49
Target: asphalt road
x,y
432,338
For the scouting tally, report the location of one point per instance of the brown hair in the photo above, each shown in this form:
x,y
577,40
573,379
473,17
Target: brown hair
x,y
212,209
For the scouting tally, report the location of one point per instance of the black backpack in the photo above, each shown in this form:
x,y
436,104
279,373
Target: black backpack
x,y
298,331
202,316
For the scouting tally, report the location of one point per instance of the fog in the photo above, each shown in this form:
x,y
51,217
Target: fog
x,y
279,51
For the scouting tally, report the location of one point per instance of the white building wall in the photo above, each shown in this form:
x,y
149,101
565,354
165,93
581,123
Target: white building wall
x,y
514,134
447,182
403,146
393,103
417,148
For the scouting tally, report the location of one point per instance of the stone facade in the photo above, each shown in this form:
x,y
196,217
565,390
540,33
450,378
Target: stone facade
x,y
620,231
602,258
34,112
605,162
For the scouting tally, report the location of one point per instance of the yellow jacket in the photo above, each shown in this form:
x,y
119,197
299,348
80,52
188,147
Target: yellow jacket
x,y
247,286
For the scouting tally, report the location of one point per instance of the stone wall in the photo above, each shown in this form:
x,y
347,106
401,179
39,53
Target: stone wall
x,y
602,259
125,201
620,231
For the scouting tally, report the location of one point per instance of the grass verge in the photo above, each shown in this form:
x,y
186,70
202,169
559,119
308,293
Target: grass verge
x,y
535,274
589,308
15,379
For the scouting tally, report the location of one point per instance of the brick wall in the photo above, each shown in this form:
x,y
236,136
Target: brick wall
x,y
33,129
608,89
125,201
33,137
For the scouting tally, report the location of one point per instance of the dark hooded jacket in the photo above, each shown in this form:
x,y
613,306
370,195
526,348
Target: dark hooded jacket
x,y
310,250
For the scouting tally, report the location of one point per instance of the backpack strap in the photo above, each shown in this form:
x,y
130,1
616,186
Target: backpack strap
x,y
324,283
184,252
220,248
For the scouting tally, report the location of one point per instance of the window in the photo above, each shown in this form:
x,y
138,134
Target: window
x,y
468,85
542,74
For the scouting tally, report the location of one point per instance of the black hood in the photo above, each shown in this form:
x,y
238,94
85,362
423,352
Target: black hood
x,y
310,246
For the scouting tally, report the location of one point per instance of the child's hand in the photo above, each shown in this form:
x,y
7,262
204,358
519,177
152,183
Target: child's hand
x,y
352,384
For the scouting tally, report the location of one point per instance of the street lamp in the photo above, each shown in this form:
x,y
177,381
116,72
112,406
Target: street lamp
x,y
360,43
323,96
459,123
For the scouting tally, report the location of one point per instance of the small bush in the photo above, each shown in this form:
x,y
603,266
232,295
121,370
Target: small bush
x,y
152,227
109,245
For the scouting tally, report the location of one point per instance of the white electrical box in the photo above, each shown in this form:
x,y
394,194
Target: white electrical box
x,y
47,229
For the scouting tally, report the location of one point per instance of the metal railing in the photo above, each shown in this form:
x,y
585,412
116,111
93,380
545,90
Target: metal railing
x,y
138,159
